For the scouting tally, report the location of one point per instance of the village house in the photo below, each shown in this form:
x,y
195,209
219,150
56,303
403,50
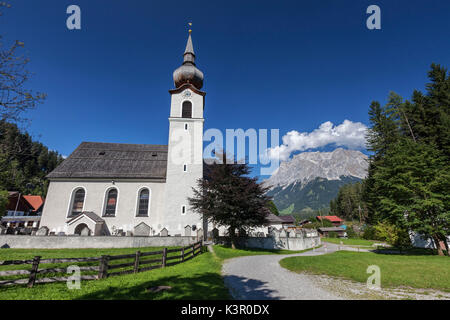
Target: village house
x,y
335,220
23,213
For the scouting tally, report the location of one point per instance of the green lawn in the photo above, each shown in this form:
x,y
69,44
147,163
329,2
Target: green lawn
x,y
198,278
418,271
351,242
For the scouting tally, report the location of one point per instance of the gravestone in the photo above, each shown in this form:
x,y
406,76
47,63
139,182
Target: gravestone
x,y
187,231
129,234
164,232
215,233
200,233
42,231
85,231
142,229
2,230
283,233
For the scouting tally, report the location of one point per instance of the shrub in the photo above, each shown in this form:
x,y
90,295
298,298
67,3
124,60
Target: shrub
x,y
392,234
351,233
3,201
332,234
369,233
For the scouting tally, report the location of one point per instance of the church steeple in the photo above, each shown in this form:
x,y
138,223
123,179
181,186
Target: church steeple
x,y
189,55
188,72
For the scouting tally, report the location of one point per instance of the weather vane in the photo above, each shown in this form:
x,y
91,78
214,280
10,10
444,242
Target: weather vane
x,y
190,25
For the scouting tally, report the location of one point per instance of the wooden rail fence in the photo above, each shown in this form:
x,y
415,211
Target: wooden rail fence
x,y
140,261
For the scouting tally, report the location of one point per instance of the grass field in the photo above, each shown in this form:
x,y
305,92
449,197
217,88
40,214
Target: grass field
x,y
417,271
198,278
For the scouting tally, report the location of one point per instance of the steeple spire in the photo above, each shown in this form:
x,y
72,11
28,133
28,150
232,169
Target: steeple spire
x,y
188,72
189,55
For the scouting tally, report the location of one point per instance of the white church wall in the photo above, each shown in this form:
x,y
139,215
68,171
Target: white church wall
x,y
59,198
179,98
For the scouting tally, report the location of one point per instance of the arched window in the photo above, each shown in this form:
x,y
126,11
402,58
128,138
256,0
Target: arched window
x,y
186,110
143,202
78,202
111,202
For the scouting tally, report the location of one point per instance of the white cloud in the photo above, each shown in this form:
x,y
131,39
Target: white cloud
x,y
348,134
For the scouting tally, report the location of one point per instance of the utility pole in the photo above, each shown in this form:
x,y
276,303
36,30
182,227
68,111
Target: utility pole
x,y
359,210
17,204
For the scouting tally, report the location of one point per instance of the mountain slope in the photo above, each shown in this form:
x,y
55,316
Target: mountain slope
x,y
311,179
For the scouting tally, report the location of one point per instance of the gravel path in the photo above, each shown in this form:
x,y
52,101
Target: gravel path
x,y
262,277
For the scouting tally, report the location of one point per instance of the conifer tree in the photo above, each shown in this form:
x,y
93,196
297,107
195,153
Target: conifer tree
x,y
408,178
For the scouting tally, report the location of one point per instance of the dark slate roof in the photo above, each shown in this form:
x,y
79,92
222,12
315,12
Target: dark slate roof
x,y
89,214
287,219
114,160
271,218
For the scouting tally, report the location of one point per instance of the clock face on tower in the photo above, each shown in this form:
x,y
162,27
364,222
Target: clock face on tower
x,y
186,94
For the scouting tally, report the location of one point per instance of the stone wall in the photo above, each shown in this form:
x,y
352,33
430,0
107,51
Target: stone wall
x,y
71,242
279,240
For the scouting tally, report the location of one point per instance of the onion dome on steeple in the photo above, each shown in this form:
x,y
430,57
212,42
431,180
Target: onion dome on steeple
x,y
188,72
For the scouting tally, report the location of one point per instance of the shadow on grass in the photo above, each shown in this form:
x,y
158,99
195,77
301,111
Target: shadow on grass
x,y
408,252
248,289
207,286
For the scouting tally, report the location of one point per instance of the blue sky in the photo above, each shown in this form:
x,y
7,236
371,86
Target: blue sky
x,y
290,65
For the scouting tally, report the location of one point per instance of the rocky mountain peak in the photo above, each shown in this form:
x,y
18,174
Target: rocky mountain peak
x,y
307,166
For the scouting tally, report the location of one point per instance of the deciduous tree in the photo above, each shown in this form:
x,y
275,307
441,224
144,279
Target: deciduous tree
x,y
226,196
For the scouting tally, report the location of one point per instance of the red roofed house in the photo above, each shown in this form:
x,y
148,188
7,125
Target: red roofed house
x,y
335,220
22,211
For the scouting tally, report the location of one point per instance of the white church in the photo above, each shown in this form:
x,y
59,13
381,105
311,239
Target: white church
x,y
135,189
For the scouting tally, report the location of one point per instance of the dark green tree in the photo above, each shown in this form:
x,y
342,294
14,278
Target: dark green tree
x,y
408,178
273,208
226,196
349,203
413,189
24,163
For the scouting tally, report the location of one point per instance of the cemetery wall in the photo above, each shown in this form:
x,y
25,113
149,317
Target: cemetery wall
x,y
71,242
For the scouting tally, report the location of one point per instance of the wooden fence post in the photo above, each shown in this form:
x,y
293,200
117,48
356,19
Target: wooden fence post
x,y
164,257
193,248
103,267
34,271
182,254
136,261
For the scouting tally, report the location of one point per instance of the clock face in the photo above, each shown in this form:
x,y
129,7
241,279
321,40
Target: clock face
x,y
187,94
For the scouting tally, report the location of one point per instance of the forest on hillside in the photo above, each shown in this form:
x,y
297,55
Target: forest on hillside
x,y
24,163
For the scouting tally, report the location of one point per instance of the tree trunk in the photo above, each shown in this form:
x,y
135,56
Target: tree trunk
x,y
444,239
438,245
232,234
